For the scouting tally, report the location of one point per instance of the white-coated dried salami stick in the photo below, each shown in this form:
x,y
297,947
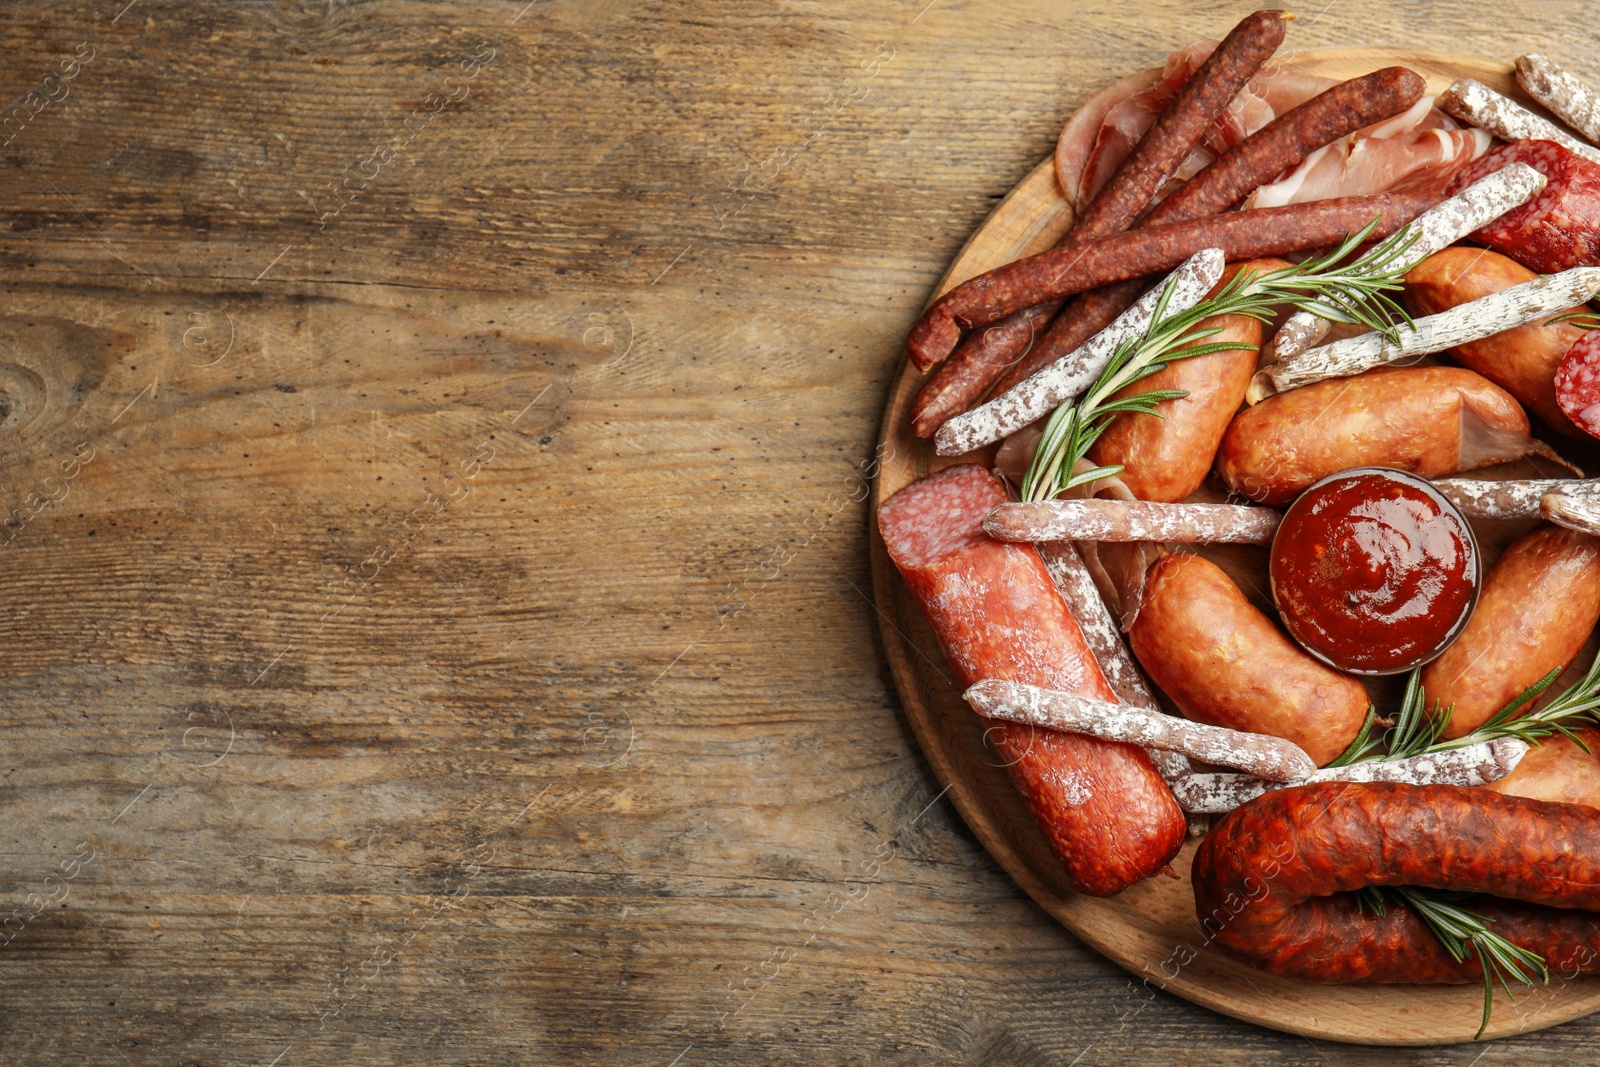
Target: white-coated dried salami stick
x,y
1514,498
1076,586
1575,513
1475,103
1487,761
1573,102
1434,230
1131,520
1261,755
1037,396
1476,319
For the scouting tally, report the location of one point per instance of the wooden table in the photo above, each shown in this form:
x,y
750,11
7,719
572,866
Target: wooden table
x,y
436,628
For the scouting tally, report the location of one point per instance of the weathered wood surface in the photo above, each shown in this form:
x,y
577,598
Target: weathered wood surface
x,y
438,629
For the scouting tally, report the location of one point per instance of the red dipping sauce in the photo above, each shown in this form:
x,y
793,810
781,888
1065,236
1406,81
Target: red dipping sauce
x,y
1374,571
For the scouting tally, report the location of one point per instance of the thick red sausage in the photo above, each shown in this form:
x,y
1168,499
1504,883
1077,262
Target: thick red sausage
x,y
1538,605
1166,458
1523,360
1577,383
1557,769
1255,161
1107,814
1273,879
1225,663
1560,227
1240,235
1420,419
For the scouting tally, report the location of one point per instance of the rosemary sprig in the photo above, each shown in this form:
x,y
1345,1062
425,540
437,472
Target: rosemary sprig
x,y
1367,745
1583,319
1358,292
1416,731
1461,931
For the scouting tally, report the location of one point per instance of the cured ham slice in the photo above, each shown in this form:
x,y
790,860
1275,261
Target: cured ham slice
x,y
1421,150
1104,131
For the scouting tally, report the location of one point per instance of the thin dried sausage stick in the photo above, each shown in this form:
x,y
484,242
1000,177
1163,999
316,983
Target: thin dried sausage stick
x,y
1040,394
1476,104
1076,586
1513,498
1273,880
1275,231
1575,513
1508,309
1261,755
1479,764
1255,161
1434,230
1573,102
1095,519
1105,811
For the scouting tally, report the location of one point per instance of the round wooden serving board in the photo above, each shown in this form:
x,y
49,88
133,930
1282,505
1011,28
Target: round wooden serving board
x,y
1151,928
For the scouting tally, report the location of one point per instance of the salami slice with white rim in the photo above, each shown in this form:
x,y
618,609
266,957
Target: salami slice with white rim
x,y
1559,228
1578,383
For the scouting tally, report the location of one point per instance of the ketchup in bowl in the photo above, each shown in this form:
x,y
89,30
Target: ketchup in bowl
x,y
1374,571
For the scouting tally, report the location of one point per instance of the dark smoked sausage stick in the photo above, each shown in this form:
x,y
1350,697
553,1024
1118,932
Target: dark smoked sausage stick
x,y
1341,109
1273,880
1274,231
1181,124
1020,344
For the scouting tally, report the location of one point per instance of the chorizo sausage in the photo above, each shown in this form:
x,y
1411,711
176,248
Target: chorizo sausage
x,y
1432,421
1560,227
1167,458
1557,769
1102,806
1069,269
1273,880
1538,604
1523,360
1223,662
1254,161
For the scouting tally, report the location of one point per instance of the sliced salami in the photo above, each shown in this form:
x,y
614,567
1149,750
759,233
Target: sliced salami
x,y
1578,383
1102,806
1559,228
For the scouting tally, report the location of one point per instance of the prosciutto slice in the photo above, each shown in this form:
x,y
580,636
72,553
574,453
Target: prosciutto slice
x,y
1104,131
1421,150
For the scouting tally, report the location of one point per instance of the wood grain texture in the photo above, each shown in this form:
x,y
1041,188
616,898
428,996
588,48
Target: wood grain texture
x,y
600,761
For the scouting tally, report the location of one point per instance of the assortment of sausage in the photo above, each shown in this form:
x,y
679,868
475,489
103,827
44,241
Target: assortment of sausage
x,y
1102,766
